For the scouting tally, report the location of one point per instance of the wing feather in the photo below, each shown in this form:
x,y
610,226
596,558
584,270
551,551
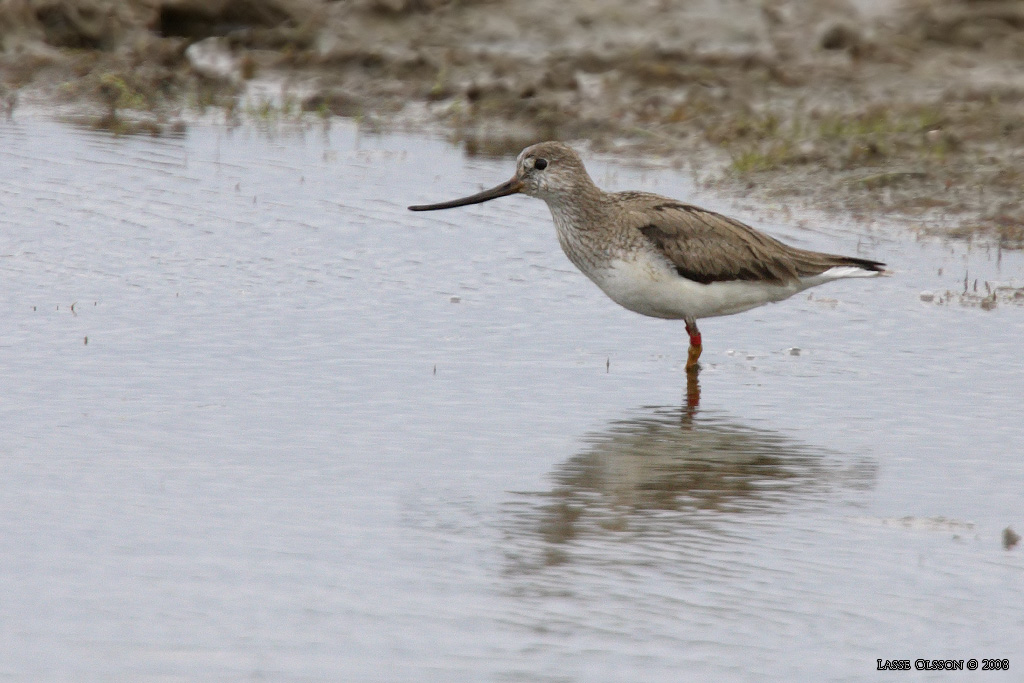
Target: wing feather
x,y
707,247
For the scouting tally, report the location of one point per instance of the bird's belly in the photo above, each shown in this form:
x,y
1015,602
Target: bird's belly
x,y
662,293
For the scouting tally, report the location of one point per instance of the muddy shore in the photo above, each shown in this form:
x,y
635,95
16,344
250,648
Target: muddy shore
x,y
913,111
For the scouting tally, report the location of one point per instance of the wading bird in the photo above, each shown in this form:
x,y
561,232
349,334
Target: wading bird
x,y
661,257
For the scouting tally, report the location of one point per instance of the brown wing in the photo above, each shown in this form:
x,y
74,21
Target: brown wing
x,y
706,247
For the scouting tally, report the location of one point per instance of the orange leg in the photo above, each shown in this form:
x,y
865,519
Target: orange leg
x,y
695,345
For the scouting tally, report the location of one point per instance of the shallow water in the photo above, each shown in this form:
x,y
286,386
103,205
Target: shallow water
x,y
291,431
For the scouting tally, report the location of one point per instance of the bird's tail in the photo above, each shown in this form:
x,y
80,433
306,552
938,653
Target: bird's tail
x,y
837,272
851,266
824,267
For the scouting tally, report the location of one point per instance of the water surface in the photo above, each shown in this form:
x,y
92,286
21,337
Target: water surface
x,y
259,421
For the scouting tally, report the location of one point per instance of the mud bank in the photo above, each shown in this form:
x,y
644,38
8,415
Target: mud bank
x,y
913,110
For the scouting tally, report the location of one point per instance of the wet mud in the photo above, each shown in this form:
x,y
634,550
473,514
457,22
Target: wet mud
x,y
911,110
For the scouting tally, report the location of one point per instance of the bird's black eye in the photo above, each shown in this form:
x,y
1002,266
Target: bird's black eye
x,y
540,164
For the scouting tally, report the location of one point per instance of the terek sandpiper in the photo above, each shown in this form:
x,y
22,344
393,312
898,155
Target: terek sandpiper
x,y
660,257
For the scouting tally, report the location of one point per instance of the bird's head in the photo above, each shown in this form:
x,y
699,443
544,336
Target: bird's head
x,y
547,170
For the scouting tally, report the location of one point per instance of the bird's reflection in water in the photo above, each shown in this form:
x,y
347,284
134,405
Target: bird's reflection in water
x,y
669,470
692,391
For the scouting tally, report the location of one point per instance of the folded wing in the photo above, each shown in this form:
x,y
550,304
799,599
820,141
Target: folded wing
x,y
707,247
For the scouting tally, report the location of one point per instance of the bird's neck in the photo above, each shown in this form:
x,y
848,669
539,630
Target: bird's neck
x,y
579,210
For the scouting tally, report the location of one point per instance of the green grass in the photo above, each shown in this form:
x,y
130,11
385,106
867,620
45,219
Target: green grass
x,y
763,157
767,141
